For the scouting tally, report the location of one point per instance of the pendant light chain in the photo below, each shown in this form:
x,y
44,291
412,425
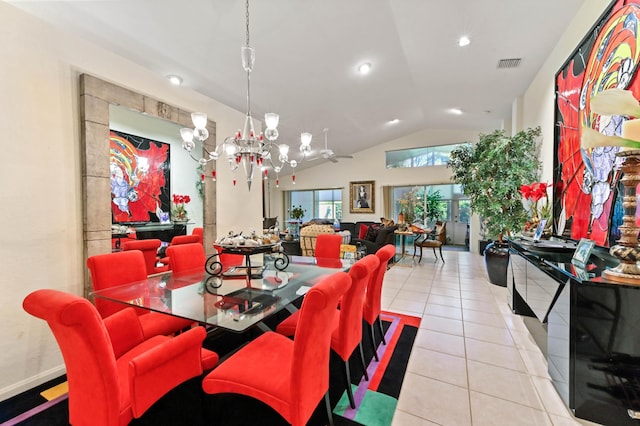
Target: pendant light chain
x,y
247,18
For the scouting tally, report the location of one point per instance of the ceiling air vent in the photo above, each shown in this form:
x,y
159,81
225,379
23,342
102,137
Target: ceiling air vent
x,y
509,63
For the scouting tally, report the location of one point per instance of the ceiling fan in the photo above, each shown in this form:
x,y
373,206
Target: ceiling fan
x,y
328,154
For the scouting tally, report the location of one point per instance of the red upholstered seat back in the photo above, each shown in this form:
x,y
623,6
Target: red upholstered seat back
x,y
113,269
372,304
349,331
94,393
149,249
186,258
199,232
310,367
228,259
185,239
328,246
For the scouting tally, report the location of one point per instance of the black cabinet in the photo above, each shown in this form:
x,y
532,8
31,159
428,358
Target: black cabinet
x,y
592,329
163,232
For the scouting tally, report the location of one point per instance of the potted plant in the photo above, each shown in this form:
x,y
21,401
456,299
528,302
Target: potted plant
x,y
491,173
433,209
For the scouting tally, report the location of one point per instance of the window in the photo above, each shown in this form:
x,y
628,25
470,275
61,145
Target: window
x,y
419,157
452,200
318,203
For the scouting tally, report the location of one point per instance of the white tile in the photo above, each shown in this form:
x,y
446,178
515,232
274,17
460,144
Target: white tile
x,y
445,300
479,305
436,401
443,311
551,401
443,291
494,354
416,307
440,342
412,295
401,418
488,334
484,318
503,383
440,366
536,363
489,410
441,324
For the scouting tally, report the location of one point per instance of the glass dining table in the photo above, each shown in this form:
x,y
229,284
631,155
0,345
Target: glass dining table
x,y
231,301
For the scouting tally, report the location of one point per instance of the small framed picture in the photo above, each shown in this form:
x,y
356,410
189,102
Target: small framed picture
x,y
582,253
362,197
539,230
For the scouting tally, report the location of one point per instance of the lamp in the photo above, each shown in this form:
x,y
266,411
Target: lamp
x,y
245,147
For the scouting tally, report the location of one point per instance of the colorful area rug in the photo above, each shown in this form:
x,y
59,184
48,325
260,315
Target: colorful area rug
x,y
376,399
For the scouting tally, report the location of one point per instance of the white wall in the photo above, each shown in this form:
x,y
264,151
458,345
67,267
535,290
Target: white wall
x,y
41,170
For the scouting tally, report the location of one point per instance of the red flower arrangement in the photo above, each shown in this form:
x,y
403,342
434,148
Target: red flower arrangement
x,y
532,194
181,199
178,212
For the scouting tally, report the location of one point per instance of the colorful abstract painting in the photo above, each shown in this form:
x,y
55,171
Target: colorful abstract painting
x,y
140,171
587,188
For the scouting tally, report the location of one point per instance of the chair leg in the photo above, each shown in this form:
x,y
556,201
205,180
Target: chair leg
x,y
435,254
327,403
373,342
364,366
347,376
441,255
381,330
420,258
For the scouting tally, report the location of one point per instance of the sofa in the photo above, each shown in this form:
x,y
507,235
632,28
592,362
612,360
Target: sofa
x,y
374,239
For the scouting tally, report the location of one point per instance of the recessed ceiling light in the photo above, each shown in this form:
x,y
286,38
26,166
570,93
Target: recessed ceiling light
x,y
394,121
364,68
175,80
463,41
456,111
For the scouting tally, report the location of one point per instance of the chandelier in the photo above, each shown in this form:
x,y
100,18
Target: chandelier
x,y
246,147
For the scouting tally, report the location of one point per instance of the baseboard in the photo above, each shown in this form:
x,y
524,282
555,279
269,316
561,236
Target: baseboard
x,y
31,382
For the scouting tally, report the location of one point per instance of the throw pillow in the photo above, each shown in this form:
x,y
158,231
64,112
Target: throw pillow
x,y
362,233
372,233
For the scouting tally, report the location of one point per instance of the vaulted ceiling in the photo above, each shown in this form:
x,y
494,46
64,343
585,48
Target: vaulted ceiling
x,y
307,53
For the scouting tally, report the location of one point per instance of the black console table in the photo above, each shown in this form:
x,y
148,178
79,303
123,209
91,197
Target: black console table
x,y
591,328
162,231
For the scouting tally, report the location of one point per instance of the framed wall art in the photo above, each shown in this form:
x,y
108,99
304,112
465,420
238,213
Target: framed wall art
x,y
362,197
140,178
587,190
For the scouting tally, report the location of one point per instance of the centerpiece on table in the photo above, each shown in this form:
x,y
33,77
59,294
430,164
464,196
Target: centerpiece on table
x,y
178,209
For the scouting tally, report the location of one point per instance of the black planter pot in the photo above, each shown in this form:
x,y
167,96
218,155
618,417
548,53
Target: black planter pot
x,y
496,259
482,244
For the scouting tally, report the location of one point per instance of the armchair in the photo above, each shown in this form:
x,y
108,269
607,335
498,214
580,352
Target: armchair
x,y
114,374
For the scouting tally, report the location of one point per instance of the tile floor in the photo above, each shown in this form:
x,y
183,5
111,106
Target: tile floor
x,y
473,361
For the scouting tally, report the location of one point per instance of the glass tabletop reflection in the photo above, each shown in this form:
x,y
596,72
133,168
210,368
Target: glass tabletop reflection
x,y
229,301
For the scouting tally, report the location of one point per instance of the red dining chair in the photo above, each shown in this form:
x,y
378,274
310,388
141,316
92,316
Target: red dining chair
x,y
290,376
373,300
347,336
114,373
149,249
228,260
199,232
178,240
328,246
186,258
114,269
